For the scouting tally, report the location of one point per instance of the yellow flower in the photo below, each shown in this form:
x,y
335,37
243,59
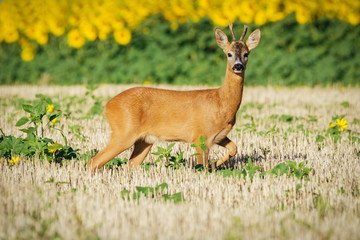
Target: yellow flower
x,y
13,160
50,108
42,38
27,54
342,124
28,49
74,20
117,24
302,15
122,37
55,146
260,18
54,120
103,35
56,27
11,34
30,31
353,19
219,19
174,26
75,39
88,30
331,125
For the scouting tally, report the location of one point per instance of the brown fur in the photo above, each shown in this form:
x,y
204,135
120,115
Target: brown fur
x,y
140,115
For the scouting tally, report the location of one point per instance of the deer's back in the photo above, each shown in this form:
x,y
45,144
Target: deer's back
x,y
166,113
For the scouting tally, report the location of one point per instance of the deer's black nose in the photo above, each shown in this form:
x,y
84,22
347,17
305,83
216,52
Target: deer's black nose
x,y
238,67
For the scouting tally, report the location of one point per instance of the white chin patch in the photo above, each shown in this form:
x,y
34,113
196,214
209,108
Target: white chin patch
x,y
237,71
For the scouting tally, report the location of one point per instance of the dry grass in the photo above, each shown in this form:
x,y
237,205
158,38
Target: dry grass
x,y
77,205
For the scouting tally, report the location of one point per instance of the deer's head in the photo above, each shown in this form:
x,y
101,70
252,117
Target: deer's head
x,y
237,52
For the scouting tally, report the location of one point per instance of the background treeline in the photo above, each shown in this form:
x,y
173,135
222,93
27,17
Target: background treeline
x,y
323,52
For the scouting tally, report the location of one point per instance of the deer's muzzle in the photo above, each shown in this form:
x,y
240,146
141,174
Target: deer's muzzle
x,y
238,67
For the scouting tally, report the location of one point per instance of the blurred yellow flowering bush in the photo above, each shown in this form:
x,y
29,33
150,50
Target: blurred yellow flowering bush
x,y
31,21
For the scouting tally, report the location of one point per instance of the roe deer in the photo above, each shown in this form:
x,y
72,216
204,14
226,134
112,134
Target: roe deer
x,y
140,115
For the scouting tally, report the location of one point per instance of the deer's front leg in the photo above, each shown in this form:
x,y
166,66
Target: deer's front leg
x,y
228,144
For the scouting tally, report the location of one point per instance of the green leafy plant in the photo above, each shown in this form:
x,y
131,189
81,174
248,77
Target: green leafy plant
x,y
286,118
354,137
298,170
41,115
171,161
272,130
176,162
201,144
248,127
203,147
291,169
250,169
116,162
312,118
152,192
97,108
77,131
164,153
232,173
335,129
345,104
87,155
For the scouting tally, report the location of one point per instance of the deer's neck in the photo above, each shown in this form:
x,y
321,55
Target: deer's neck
x,y
231,92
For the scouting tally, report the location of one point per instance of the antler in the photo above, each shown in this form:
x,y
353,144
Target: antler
x,y
232,31
244,33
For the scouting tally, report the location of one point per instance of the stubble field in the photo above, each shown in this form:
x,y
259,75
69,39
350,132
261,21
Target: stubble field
x,y
47,200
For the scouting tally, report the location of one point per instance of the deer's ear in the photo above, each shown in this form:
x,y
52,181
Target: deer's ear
x,y
253,40
221,39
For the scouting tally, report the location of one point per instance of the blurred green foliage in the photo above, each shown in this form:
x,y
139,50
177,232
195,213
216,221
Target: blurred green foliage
x,y
324,52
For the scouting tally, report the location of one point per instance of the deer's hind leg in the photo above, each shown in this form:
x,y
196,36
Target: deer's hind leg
x,y
141,149
228,144
117,144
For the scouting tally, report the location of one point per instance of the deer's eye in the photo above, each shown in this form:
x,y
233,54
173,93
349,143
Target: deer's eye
x,y
229,55
246,55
